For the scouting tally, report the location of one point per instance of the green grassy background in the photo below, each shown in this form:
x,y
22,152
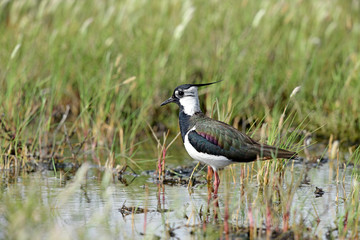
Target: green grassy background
x,y
114,62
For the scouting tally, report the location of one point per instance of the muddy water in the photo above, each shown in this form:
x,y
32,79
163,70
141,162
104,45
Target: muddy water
x,y
97,208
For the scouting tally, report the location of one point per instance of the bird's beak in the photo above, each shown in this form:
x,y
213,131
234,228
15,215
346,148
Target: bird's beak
x,y
171,99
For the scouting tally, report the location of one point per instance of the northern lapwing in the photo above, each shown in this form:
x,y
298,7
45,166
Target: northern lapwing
x,y
212,142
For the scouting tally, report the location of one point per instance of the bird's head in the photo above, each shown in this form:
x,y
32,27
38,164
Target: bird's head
x,y
186,96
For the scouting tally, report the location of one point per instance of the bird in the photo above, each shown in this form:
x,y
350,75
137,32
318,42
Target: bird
x,y
213,142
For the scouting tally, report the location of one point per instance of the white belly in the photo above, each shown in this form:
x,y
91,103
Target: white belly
x,y
214,161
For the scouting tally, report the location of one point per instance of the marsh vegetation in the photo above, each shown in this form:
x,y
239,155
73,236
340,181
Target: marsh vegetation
x,y
87,152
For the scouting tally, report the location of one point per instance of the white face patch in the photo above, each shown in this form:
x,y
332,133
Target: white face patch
x,y
216,162
190,101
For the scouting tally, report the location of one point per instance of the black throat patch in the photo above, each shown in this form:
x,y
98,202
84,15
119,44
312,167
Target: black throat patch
x,y
184,121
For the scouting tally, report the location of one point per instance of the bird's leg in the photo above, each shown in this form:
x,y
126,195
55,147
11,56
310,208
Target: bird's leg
x,y
216,200
209,174
209,177
216,183
208,204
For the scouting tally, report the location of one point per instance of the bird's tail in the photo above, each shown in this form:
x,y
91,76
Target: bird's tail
x,y
267,152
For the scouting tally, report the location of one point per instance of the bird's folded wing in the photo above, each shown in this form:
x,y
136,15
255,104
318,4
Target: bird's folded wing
x,y
213,137
217,138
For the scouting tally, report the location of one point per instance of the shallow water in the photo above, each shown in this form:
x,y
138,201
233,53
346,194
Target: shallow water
x,y
96,205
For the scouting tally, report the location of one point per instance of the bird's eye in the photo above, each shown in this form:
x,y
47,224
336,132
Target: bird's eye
x,y
181,93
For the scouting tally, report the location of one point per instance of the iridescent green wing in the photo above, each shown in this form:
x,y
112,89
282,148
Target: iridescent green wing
x,y
217,138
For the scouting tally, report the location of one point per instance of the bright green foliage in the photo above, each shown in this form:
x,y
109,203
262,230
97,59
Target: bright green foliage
x,y
114,62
